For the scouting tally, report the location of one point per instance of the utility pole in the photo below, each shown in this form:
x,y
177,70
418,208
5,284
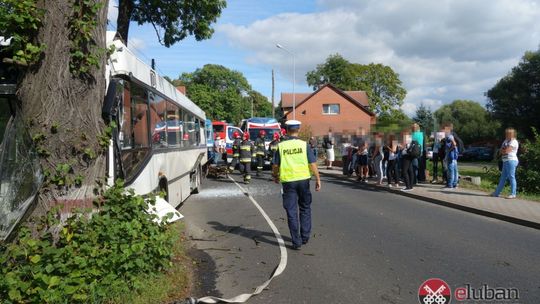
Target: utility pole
x,y
273,103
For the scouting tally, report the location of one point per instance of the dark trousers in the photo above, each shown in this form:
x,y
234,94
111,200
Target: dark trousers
x,y
234,163
391,172
345,161
260,163
421,175
245,169
297,204
407,172
414,163
437,159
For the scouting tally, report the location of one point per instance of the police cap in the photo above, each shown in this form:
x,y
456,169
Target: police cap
x,y
292,124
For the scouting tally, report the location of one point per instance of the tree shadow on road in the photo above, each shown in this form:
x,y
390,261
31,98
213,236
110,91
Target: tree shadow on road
x,y
257,236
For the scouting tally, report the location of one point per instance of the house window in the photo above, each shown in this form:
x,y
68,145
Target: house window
x,y
331,109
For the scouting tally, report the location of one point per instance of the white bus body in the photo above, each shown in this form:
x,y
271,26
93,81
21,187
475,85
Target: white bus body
x,y
161,140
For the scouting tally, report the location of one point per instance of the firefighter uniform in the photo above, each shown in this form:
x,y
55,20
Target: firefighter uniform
x,y
272,148
293,157
235,153
261,153
247,153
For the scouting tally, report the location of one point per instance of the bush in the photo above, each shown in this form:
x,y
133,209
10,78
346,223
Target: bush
x,y
528,172
92,257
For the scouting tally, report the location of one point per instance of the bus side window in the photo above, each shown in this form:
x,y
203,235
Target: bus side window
x,y
126,132
197,132
134,133
139,110
5,116
158,124
174,137
190,134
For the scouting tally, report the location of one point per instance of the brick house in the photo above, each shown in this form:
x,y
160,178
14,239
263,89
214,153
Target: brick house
x,y
331,111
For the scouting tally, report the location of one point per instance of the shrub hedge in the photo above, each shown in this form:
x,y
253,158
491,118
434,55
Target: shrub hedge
x,y
89,258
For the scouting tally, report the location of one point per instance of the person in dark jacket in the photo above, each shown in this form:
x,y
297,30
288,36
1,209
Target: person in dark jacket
x,y
260,149
247,153
235,150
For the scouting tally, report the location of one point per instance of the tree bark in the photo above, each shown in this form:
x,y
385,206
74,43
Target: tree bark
x,y
65,109
125,10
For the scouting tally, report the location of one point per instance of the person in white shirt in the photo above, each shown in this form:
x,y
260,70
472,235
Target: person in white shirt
x,y
509,149
219,149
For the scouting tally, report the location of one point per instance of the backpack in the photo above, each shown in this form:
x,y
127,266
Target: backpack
x,y
414,150
459,142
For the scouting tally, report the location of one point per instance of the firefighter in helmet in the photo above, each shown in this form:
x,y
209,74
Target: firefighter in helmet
x,y
260,149
235,150
247,153
274,145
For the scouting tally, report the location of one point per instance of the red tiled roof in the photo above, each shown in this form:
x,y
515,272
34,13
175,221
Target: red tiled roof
x,y
359,98
287,98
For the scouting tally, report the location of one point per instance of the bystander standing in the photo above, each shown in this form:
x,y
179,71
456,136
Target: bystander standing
x,y
509,149
328,146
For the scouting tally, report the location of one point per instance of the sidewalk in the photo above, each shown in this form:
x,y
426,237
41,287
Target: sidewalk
x,y
517,211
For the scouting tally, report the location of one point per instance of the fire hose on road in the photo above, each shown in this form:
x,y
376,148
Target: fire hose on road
x,y
242,298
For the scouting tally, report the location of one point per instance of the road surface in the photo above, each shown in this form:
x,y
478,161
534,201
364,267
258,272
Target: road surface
x,y
366,246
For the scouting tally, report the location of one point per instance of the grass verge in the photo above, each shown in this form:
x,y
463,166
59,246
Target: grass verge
x,y
168,286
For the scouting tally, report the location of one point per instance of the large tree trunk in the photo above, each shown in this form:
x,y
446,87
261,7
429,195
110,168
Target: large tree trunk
x,y
125,10
65,109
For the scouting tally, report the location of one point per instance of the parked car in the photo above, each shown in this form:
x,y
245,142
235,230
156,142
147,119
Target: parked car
x,y
478,154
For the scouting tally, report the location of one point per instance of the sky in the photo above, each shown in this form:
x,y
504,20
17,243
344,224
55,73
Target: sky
x,y
443,50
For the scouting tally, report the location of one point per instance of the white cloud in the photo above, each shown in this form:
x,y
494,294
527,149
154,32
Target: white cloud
x,y
443,50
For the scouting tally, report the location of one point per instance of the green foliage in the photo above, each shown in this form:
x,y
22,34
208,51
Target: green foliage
x,y
21,20
84,51
393,121
261,106
380,82
305,133
335,70
60,176
515,99
528,172
424,117
104,139
175,19
224,94
471,120
90,258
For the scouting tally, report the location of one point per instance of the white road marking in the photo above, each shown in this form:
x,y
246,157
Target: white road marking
x,y
279,269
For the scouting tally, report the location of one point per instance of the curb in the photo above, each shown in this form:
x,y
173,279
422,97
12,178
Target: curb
x,y
498,216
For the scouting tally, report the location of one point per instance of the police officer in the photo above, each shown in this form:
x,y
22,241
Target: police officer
x,y
235,150
261,151
247,153
293,162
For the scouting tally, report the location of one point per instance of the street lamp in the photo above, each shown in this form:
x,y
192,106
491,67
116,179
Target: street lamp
x,y
279,46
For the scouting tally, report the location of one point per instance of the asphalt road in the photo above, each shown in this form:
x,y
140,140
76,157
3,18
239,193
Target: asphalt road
x,y
366,246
